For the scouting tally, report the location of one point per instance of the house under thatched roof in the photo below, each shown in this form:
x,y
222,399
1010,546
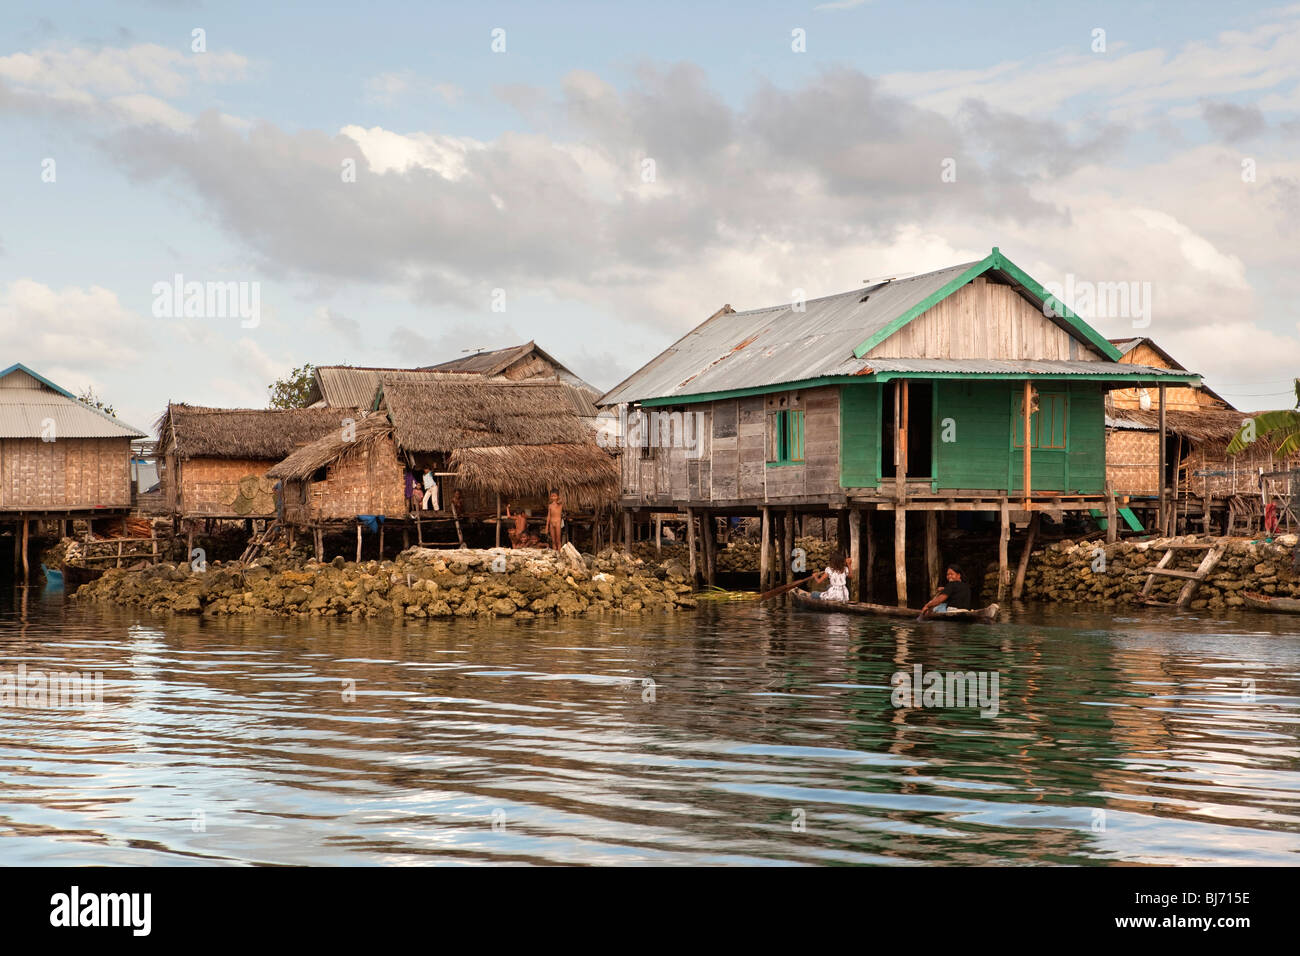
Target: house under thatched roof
x,y
512,438
269,434
1205,425
332,447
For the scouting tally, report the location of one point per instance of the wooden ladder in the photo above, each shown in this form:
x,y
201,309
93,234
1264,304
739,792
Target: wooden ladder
x,y
1213,554
260,541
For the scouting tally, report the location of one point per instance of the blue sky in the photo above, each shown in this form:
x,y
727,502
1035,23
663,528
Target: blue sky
x,y
522,171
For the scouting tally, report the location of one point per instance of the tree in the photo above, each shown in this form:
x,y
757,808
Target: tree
x,y
1283,427
294,390
88,397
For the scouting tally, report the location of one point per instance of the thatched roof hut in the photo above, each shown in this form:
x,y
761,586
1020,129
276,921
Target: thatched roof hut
x,y
213,461
486,438
514,439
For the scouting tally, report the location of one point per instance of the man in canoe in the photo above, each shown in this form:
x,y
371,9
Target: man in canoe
x,y
837,572
953,596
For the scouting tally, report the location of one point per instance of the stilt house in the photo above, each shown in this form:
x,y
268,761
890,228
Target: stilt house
x,y
918,394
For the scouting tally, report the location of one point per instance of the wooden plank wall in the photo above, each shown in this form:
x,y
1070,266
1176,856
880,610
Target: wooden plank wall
x,y
71,473
732,464
983,320
1176,399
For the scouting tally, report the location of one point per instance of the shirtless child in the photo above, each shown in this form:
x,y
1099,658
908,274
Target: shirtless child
x,y
519,532
554,519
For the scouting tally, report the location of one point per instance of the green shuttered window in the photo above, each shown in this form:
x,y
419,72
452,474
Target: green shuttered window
x,y
785,437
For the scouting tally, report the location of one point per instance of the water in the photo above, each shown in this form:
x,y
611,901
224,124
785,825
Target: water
x,y
767,737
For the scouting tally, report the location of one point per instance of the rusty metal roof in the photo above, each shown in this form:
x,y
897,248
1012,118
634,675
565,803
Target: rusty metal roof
x,y
735,350
786,344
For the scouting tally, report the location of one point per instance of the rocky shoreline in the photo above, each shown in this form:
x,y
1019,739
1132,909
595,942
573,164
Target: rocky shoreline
x,y
1097,573
420,583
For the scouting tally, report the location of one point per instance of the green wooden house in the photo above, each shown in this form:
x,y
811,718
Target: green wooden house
x,y
914,394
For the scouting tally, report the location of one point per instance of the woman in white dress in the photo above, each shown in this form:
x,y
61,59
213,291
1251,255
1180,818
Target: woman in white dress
x,y
837,572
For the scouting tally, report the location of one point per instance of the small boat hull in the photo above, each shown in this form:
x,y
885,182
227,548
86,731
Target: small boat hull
x,y
1275,605
814,603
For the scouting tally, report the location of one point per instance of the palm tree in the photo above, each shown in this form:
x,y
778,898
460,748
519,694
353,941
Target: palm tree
x,y
1282,426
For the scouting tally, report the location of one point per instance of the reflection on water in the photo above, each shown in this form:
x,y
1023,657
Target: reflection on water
x,y
740,733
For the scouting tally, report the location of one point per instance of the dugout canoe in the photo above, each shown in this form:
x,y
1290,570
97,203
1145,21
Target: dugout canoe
x,y
1277,605
812,603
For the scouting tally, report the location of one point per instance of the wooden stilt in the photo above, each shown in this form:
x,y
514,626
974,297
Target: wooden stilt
x,y
1019,588
320,544
358,542
455,513
1004,539
788,546
709,527
498,520
381,541
855,553
27,570
406,538
1160,525
189,541
869,588
659,534
842,530
900,552
627,530
690,543
932,563
1112,518
765,551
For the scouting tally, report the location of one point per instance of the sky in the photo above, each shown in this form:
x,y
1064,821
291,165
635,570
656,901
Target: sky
x,y
393,184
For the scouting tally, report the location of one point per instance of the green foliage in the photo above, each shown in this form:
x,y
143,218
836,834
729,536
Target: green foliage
x,y
88,397
1282,427
294,390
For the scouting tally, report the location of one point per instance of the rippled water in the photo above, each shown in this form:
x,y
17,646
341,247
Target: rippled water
x,y
767,736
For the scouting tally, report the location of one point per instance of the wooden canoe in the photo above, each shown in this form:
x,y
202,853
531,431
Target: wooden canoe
x,y
814,603
1278,605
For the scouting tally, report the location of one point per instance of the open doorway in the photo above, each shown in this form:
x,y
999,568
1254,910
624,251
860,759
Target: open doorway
x,y
920,430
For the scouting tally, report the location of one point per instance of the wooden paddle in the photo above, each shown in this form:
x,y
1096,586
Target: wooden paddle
x,y
783,588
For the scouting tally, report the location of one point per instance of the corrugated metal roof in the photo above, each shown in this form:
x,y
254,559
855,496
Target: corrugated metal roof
x,y
484,363
1018,367
774,345
25,411
763,348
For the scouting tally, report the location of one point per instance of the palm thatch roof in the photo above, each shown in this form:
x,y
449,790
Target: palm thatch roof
x,y
194,431
508,437
1205,425
332,447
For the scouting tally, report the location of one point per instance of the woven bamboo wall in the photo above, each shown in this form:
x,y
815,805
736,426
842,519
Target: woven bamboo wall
x,y
1234,474
206,486
1133,462
370,481
71,473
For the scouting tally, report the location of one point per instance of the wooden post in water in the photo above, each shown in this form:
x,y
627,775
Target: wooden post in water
x,y
27,570
765,550
1019,588
869,589
498,544
690,543
787,542
900,551
855,553
1160,525
932,550
1004,539
710,547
